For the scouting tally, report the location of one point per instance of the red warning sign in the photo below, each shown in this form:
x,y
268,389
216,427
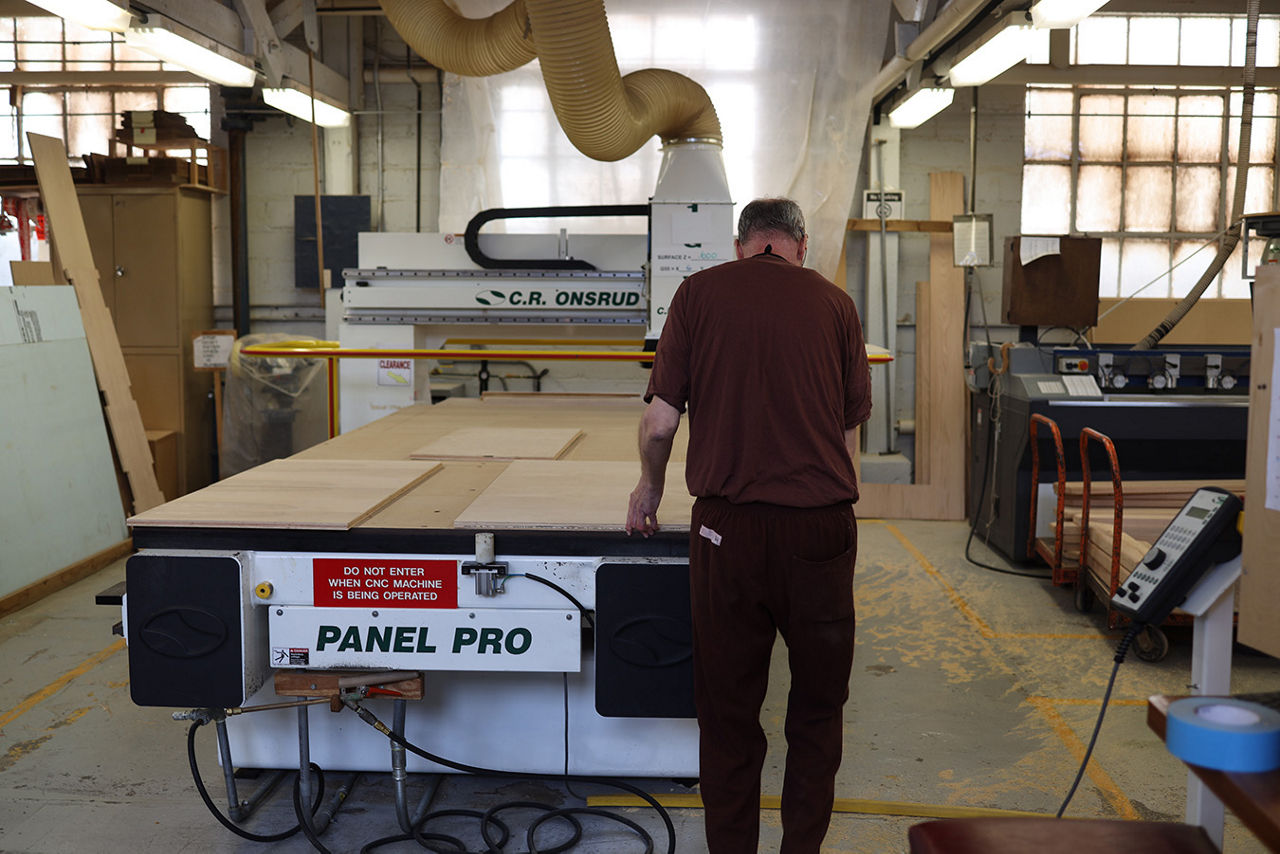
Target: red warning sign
x,y
364,582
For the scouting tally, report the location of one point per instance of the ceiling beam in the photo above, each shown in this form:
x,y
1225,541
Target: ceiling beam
x,y
286,17
268,46
1133,75
214,20
97,78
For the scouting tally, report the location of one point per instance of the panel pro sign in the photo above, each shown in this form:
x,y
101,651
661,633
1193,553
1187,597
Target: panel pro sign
x,y
538,640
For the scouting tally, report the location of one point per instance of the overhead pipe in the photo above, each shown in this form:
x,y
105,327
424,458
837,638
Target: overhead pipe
x,y
946,24
473,47
605,115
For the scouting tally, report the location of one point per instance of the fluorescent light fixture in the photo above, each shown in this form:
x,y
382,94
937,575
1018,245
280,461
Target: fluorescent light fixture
x,y
94,14
296,102
199,57
922,105
995,53
1061,14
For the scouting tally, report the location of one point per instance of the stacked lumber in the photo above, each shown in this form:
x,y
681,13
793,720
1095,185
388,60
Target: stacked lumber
x,y
1147,508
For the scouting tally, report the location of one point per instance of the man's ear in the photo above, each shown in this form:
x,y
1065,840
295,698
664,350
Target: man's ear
x,y
803,250
737,249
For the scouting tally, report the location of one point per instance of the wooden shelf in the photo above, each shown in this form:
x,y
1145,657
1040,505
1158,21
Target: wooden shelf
x,y
215,155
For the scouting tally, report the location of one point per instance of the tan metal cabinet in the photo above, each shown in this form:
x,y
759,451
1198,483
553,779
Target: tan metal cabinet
x,y
153,250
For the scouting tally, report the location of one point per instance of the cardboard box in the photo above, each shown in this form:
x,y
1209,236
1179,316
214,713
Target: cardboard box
x,y
1056,288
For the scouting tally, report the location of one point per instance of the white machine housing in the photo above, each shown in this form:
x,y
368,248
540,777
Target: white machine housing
x,y
417,291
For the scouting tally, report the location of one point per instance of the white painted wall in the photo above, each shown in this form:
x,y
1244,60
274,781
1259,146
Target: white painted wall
x,y
942,145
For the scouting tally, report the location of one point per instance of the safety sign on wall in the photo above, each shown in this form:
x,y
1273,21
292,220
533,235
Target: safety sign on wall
x,y
395,372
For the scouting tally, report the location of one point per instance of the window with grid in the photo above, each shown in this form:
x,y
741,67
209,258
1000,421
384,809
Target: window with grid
x,y
539,166
1151,171
85,116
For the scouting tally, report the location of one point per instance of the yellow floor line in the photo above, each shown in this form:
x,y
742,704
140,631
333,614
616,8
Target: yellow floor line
x,y
1078,701
956,599
58,684
842,805
965,608
1110,791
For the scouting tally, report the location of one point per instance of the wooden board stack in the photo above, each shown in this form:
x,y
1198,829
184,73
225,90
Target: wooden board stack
x,y
1148,507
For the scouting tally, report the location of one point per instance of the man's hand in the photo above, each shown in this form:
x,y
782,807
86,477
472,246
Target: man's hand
x,y
642,510
657,431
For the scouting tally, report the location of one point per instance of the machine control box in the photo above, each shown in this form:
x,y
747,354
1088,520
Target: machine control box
x,y
1203,533
1223,370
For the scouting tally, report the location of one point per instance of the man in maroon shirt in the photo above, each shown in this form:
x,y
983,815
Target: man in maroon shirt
x,y
769,359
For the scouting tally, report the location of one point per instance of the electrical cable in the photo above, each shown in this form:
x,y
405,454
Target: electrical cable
x,y
1122,649
993,420
488,818
304,820
372,720
590,621
217,813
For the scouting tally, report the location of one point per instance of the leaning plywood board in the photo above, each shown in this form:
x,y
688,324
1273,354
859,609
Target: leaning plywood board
x,y
570,495
72,243
293,493
32,273
500,443
941,399
1260,584
59,502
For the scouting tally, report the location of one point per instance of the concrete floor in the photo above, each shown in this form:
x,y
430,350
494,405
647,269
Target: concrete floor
x,y
970,689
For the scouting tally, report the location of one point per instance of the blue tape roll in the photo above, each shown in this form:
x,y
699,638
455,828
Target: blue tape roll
x,y
1224,734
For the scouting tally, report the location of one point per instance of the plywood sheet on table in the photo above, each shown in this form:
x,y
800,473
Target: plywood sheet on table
x,y
570,495
608,427
500,443
295,493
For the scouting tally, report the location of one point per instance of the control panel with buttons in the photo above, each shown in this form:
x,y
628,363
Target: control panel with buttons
x,y
1202,534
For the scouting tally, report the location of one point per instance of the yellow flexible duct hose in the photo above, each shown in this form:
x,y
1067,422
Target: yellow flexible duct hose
x,y
605,115
474,47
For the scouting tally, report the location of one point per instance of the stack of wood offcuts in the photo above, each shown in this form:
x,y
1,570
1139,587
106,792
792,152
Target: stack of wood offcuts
x,y
1148,506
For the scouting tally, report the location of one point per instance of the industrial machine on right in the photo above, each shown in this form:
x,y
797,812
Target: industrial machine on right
x,y
1175,413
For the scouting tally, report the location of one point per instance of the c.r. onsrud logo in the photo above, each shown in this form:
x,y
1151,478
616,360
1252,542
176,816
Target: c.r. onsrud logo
x,y
561,298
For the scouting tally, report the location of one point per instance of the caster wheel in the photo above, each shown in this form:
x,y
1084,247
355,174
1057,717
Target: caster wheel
x,y
1152,644
1084,597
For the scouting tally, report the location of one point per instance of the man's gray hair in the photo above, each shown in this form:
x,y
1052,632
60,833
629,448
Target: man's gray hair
x,y
766,215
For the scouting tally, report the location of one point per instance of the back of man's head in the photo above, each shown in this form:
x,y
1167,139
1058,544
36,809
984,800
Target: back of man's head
x,y
764,216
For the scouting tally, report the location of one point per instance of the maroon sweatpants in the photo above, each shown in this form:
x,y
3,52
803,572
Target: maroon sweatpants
x,y
756,570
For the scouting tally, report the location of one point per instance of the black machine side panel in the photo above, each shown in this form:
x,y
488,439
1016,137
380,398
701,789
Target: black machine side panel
x,y
184,618
644,641
1153,442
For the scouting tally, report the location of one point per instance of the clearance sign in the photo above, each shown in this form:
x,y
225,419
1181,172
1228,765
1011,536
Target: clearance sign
x,y
361,582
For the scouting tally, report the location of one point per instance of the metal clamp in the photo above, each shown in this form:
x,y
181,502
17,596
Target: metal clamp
x,y
485,568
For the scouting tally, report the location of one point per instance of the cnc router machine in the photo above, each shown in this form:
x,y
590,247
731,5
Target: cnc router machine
x,y
508,585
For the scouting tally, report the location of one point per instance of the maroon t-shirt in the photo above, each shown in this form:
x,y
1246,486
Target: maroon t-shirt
x,y
769,359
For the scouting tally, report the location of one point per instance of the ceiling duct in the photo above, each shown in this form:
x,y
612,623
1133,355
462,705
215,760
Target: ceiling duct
x,y
605,115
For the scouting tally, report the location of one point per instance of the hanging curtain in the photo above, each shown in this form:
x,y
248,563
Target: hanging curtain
x,y
784,78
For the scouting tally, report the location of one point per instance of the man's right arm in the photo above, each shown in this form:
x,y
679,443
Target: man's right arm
x,y
658,428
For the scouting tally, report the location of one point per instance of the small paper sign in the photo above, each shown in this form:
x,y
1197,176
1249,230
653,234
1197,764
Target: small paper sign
x,y
212,349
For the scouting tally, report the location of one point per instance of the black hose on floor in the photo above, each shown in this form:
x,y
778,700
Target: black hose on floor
x,y
217,813
372,720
